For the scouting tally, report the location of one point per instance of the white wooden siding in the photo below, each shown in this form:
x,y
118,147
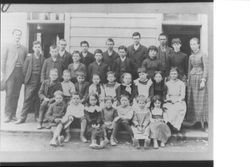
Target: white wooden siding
x,y
96,28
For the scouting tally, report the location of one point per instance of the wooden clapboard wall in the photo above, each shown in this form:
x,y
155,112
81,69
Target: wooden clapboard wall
x,y
96,28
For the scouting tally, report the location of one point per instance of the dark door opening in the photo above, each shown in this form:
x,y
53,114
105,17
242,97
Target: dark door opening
x,y
184,32
47,34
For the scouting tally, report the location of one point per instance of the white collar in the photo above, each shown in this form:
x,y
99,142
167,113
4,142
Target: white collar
x,y
136,46
123,59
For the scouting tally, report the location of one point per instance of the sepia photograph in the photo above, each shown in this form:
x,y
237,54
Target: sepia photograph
x,y
106,82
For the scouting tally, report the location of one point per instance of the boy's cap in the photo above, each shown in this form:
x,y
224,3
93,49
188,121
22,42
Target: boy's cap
x,y
141,70
176,40
81,74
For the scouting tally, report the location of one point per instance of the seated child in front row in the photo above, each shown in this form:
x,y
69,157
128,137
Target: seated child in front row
x,y
110,88
67,86
158,129
125,114
93,123
110,116
97,88
82,86
141,121
75,111
46,93
56,110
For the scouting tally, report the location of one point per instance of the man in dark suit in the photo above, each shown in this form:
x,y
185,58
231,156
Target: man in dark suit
x,y
86,57
64,55
137,52
163,53
123,64
32,73
13,57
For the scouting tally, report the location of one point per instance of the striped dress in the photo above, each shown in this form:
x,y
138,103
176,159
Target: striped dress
x,y
197,99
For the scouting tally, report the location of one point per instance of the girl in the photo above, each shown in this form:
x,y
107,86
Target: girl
x,y
197,85
176,105
74,112
158,130
127,88
93,121
158,86
97,88
76,66
141,121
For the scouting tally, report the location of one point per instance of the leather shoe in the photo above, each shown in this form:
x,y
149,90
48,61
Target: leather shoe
x,y
20,121
7,120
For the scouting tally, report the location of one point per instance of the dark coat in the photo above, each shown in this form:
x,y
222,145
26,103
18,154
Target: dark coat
x,y
109,60
138,55
164,57
101,69
88,59
130,68
121,90
66,59
152,65
47,89
158,89
180,60
27,67
83,93
48,65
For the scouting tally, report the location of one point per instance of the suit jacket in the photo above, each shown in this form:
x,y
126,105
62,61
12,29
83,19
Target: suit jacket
x,y
83,92
109,59
48,89
164,57
130,68
9,57
27,67
137,55
101,69
88,59
66,59
73,72
48,65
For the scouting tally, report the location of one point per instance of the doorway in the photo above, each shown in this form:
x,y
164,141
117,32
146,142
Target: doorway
x,y
47,34
184,32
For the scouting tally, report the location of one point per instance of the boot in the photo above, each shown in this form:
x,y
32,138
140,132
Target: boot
x,y
68,137
93,144
112,141
146,143
162,144
156,146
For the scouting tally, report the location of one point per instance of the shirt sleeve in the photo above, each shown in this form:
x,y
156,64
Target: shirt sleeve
x,y
146,120
4,55
43,72
183,91
41,91
135,120
205,65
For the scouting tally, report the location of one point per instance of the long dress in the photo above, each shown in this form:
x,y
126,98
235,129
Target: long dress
x,y
141,118
157,128
176,105
197,99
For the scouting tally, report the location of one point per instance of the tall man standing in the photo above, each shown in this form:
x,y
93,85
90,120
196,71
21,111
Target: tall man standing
x,y
64,55
137,52
13,58
163,53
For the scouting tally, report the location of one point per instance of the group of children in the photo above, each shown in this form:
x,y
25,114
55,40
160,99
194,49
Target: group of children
x,y
103,99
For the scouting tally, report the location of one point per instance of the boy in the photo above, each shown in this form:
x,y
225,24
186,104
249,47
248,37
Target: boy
x,y
179,59
64,55
110,55
52,62
152,63
32,74
109,117
98,67
82,86
137,52
110,88
67,86
56,110
86,57
46,94
123,64
76,66
125,115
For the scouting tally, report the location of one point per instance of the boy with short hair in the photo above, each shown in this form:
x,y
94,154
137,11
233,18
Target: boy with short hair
x,y
109,56
32,74
86,57
98,67
82,86
67,86
52,62
56,110
46,93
